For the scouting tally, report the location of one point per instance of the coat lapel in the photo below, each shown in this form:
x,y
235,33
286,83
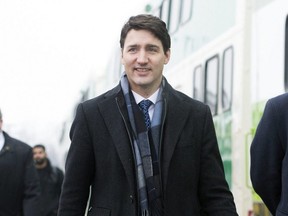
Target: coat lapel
x,y
113,112
176,117
7,144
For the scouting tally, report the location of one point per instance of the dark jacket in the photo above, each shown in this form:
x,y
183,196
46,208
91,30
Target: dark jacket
x,y
269,156
51,179
19,183
100,155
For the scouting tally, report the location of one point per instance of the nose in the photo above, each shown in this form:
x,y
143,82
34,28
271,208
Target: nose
x,y
142,57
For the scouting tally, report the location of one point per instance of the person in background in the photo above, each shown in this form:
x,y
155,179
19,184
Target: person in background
x,y
143,147
269,156
51,178
19,183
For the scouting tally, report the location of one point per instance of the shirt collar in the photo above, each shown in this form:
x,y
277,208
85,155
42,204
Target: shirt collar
x,y
2,140
152,98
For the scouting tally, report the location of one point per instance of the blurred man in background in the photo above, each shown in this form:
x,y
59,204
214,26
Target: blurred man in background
x,y
51,178
19,183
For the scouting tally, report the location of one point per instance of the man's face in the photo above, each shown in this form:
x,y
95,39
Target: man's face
x,y
39,155
143,58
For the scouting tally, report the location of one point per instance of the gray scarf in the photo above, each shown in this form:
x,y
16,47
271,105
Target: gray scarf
x,y
146,148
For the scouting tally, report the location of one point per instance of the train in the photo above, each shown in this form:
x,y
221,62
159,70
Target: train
x,y
233,56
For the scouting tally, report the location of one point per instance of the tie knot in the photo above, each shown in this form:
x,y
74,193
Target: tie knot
x,y
145,104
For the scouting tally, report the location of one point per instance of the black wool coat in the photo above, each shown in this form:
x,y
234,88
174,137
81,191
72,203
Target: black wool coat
x,y
51,178
101,156
19,182
269,156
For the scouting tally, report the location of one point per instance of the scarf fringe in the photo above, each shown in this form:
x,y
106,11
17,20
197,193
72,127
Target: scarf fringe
x,y
145,213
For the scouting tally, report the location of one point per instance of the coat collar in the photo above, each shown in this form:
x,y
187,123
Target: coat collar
x,y
8,146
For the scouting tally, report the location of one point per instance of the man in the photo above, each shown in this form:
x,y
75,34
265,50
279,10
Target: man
x,y
269,156
51,179
19,183
170,166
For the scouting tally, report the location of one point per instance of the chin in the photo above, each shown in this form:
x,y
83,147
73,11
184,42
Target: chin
x,y
143,80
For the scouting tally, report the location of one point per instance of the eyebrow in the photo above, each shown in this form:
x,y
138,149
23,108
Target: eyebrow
x,y
148,45
153,46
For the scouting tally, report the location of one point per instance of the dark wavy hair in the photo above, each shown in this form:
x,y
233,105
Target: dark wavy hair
x,y
150,23
40,146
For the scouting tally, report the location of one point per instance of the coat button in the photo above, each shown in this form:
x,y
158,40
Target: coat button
x,y
131,199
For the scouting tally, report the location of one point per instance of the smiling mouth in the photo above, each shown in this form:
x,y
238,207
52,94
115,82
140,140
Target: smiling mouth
x,y
142,69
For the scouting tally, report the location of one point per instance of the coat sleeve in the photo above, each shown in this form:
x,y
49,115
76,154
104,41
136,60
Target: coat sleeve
x,y
79,168
60,177
31,188
266,158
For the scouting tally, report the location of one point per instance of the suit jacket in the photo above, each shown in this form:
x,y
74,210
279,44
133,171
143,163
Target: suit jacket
x,y
19,183
101,155
269,156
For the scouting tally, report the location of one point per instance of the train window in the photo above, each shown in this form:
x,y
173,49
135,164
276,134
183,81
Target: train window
x,y
175,15
198,91
286,56
157,12
227,79
186,11
154,7
211,83
165,12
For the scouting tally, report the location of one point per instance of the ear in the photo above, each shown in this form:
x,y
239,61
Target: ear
x,y
167,54
122,61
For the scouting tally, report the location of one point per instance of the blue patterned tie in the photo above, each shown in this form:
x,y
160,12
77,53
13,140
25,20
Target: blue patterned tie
x,y
144,106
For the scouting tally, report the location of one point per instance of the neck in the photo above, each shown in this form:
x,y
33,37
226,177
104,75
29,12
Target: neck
x,y
145,92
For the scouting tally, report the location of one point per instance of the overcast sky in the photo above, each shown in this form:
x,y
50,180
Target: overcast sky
x,y
48,51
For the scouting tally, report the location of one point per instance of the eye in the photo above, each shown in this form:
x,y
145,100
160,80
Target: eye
x,y
132,49
153,49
